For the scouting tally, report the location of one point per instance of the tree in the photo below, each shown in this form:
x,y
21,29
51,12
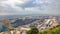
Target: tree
x,y
33,31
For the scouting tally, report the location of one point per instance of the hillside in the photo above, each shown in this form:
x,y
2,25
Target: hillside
x,y
55,30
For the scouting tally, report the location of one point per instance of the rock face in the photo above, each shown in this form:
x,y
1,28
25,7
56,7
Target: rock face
x,y
20,30
6,25
45,24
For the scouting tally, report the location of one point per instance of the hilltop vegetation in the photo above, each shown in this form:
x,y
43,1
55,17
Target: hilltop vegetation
x,y
55,30
33,30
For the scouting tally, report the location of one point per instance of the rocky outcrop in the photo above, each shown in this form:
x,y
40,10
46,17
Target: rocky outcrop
x,y
6,24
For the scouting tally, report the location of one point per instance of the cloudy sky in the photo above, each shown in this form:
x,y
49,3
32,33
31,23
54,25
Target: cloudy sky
x,y
19,7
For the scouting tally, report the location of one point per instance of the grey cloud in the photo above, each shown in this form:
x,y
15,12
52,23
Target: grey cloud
x,y
51,7
3,0
6,9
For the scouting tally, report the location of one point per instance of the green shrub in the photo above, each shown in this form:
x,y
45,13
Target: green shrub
x,y
33,31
